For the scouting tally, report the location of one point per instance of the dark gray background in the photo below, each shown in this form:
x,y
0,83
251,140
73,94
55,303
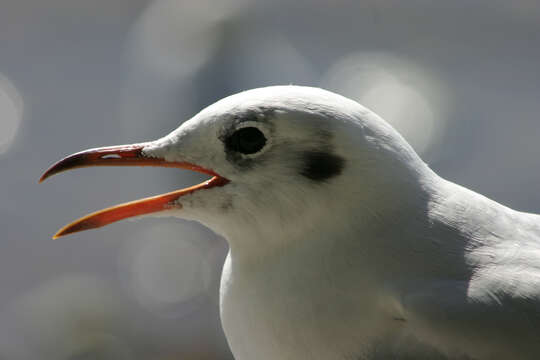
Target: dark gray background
x,y
461,80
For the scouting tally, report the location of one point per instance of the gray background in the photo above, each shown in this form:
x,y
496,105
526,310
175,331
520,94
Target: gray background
x,y
460,79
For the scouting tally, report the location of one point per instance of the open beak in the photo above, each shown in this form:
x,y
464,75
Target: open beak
x,y
127,155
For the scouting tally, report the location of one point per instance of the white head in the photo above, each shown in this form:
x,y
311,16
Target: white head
x,y
283,159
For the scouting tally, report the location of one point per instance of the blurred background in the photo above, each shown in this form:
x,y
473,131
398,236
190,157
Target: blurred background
x,y
460,80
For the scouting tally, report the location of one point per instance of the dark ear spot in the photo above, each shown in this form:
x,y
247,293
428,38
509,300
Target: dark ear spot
x,y
321,166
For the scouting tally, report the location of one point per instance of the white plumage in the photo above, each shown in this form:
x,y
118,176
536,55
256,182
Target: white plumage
x,y
345,245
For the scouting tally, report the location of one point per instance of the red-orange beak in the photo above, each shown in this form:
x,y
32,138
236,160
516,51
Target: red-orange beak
x,y
126,155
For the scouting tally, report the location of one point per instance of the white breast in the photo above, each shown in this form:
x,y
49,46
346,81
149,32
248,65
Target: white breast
x,y
290,310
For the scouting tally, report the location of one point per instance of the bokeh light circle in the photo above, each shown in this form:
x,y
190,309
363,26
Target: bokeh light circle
x,y
11,111
403,93
169,267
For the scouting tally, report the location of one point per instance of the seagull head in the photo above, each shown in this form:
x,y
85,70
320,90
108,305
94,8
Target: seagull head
x,y
280,160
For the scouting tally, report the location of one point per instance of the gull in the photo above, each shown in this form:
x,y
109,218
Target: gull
x,y
344,244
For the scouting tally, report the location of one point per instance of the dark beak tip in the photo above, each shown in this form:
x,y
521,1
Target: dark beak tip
x,y
47,174
54,169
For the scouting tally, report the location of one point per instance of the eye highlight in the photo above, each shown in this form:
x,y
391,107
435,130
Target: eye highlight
x,y
247,140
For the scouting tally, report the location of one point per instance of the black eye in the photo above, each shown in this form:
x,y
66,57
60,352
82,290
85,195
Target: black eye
x,y
247,140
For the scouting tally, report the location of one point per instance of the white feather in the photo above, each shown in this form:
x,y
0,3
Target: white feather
x,y
385,260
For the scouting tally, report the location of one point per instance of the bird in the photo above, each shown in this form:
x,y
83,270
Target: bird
x,y
343,243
